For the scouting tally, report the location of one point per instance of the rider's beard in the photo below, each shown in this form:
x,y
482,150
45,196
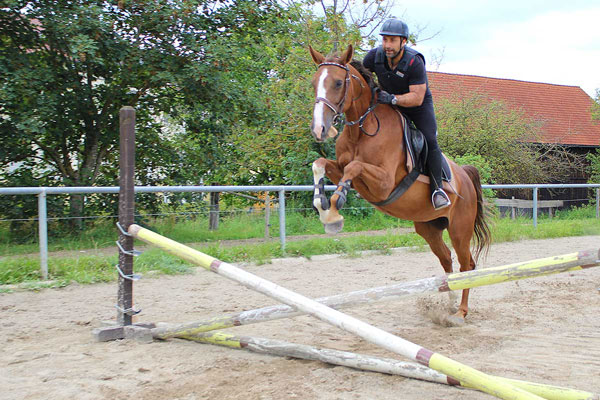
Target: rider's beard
x,y
392,53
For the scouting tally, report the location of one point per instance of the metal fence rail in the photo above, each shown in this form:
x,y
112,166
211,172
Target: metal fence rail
x,y
42,193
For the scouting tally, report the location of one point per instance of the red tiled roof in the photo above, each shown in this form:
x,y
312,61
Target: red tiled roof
x,y
564,111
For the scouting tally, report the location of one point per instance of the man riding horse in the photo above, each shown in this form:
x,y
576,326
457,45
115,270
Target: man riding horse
x,y
372,156
401,73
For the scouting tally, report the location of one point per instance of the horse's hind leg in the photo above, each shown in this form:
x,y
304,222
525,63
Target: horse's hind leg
x,y
432,233
329,216
463,254
461,241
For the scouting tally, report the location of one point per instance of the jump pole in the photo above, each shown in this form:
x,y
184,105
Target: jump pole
x,y
371,363
386,340
461,280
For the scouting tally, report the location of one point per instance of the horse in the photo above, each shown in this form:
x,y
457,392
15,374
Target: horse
x,y
371,158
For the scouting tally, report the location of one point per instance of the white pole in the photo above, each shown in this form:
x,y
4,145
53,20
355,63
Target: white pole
x,y
371,363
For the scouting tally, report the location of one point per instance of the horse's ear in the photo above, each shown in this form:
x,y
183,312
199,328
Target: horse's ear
x,y
347,56
316,56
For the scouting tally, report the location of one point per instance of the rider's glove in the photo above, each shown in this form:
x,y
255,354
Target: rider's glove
x,y
384,97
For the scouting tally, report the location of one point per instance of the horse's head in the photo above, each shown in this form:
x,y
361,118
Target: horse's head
x,y
332,87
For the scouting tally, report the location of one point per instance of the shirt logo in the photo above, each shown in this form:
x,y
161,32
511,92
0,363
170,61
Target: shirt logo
x,y
400,74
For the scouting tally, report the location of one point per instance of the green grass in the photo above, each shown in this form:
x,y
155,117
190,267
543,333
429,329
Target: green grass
x,y
505,230
103,233
97,235
86,269
94,269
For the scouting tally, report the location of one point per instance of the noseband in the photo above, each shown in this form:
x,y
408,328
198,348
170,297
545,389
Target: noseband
x,y
338,109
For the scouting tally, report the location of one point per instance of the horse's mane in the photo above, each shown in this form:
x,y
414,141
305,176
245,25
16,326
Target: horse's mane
x,y
364,72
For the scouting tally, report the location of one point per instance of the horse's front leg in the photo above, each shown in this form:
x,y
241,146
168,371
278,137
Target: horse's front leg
x,y
379,184
321,168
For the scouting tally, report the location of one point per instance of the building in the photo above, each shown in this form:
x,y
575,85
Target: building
x,y
563,112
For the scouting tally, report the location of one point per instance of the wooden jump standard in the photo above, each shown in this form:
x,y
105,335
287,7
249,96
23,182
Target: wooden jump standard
x,y
436,361
455,281
371,363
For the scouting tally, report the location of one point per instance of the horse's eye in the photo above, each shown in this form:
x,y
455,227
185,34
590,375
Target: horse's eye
x,y
338,84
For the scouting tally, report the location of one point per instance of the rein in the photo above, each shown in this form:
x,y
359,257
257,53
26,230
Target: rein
x,y
338,109
363,117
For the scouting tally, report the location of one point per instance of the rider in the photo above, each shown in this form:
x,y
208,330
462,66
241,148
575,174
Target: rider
x,y
401,74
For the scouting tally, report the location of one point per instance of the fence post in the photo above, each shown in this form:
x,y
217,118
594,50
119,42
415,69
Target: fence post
x,y
126,210
513,211
282,218
535,206
213,213
43,233
597,202
267,215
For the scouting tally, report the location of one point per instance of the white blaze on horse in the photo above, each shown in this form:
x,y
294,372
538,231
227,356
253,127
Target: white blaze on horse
x,y
371,157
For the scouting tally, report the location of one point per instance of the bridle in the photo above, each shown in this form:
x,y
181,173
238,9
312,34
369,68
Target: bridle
x,y
338,109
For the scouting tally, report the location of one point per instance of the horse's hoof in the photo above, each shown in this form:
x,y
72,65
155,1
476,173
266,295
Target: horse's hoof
x,y
334,227
454,320
452,302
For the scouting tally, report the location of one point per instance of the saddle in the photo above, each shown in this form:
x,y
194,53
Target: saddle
x,y
416,152
416,161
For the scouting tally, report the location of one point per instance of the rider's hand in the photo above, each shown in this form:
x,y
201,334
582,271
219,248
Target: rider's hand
x,y
384,97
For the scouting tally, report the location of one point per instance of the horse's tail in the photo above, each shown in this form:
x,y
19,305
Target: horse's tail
x,y
483,235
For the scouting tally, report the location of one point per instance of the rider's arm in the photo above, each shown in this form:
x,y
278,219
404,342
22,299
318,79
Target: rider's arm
x,y
417,85
414,97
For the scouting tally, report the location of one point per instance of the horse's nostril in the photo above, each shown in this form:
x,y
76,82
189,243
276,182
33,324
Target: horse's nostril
x,y
318,132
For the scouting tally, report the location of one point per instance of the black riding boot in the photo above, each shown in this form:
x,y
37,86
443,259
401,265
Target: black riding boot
x,y
439,198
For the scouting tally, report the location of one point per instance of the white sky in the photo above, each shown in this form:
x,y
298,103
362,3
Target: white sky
x,y
546,41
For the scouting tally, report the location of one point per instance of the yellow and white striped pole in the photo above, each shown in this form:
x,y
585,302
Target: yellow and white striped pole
x,y
540,267
458,371
455,281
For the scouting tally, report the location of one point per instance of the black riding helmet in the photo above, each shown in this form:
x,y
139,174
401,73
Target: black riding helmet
x,y
394,27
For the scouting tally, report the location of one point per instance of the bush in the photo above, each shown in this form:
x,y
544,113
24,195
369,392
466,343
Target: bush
x,y
504,138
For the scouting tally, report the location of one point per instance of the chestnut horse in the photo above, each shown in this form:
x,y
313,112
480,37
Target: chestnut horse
x,y
370,156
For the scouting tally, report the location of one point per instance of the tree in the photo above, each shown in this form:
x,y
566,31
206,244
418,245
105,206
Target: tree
x,y
596,106
594,168
343,21
66,67
276,145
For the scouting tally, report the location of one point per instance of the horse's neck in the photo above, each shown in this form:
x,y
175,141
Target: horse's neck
x,y
361,100
353,132
390,137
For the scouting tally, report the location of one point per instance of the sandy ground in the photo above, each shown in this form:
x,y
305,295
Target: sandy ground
x,y
545,330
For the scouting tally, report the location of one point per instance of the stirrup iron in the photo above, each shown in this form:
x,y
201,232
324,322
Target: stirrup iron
x,y
440,192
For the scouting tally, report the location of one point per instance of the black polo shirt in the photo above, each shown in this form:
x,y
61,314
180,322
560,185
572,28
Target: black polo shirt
x,y
398,82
